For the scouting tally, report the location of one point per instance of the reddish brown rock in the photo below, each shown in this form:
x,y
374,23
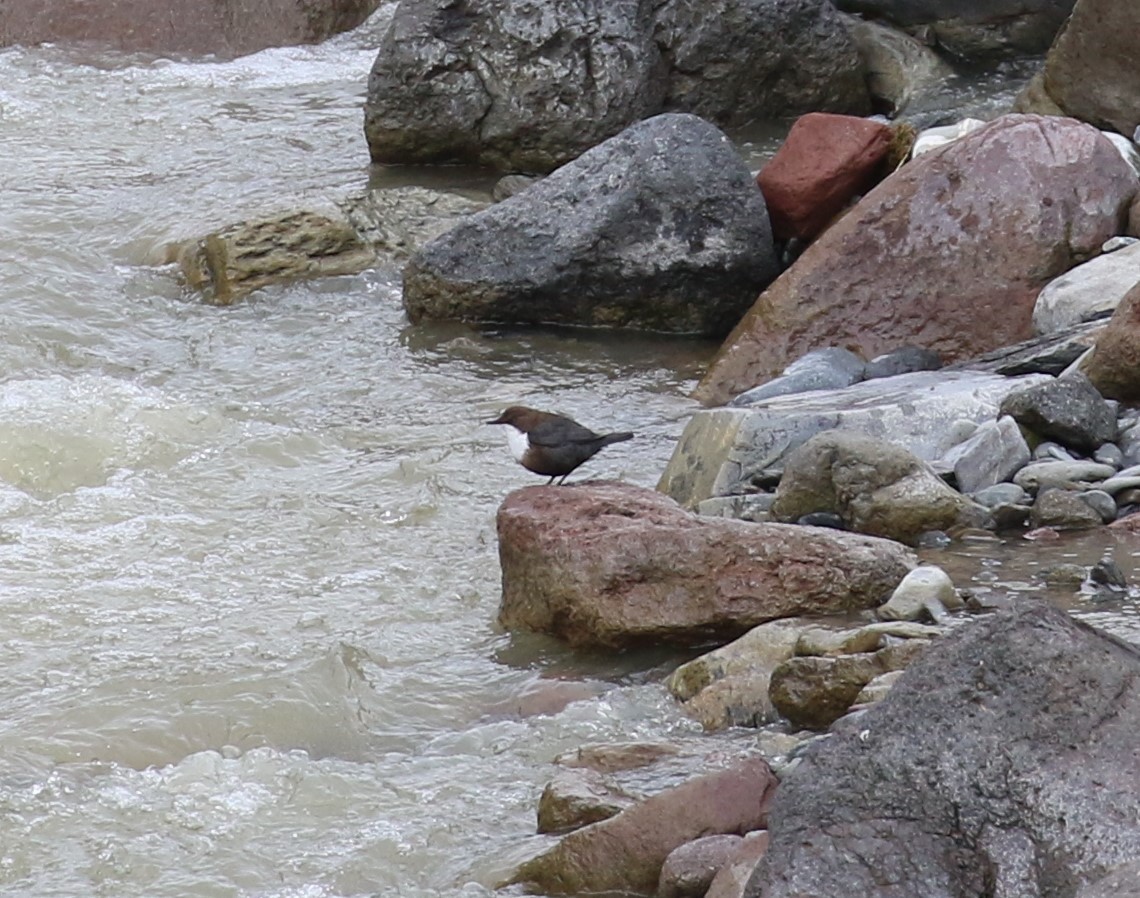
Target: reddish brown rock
x,y
625,853
222,27
948,253
1114,366
1091,71
608,564
826,161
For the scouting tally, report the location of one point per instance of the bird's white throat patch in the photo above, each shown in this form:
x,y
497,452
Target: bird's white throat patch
x,y
518,442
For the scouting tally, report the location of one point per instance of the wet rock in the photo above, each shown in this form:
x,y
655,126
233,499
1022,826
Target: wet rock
x,y
504,84
578,797
1114,366
224,28
1024,198
396,221
938,136
626,852
1091,289
1063,510
899,68
743,508
998,726
1101,502
925,591
377,224
1090,71
972,27
878,688
1065,475
608,564
570,251
731,879
689,869
725,451
1129,478
1109,454
1001,494
814,692
736,61
824,163
870,638
1068,409
617,756
874,486
511,185
1051,354
992,454
1122,882
903,360
729,685
231,263
822,369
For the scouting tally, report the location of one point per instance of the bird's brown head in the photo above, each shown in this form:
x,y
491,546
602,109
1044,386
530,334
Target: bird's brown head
x,y
520,417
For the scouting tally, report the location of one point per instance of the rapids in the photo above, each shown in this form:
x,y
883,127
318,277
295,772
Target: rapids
x,y
247,612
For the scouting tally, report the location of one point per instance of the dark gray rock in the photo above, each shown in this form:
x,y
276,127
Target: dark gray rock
x,y
660,228
1063,510
525,86
1002,762
736,61
991,455
510,84
1068,409
1001,494
903,361
973,27
822,369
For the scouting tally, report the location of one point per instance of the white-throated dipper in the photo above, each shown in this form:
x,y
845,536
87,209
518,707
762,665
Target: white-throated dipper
x,y
552,445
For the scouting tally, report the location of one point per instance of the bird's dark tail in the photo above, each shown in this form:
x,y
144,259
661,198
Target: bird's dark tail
x,y
609,438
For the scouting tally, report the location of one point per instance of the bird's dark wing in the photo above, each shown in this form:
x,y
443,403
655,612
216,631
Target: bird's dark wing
x,y
557,431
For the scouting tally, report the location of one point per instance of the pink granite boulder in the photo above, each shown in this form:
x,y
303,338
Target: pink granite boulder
x,y
606,564
948,253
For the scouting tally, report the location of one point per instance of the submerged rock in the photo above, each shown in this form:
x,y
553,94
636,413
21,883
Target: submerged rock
x,y
626,853
607,564
660,228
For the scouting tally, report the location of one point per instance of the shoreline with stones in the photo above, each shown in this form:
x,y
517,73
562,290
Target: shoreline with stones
x,y
930,335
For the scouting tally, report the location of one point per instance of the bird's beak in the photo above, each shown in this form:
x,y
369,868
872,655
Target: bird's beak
x,y
498,420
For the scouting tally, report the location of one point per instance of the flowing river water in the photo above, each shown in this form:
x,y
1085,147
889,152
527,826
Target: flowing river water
x,y
247,613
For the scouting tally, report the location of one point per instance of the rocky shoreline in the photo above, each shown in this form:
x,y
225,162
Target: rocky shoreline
x,y
930,336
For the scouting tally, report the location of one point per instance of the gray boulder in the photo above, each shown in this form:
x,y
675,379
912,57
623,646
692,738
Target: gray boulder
x,y
992,454
509,83
973,27
1002,762
725,451
1068,409
736,61
523,86
660,228
821,369
875,487
1089,290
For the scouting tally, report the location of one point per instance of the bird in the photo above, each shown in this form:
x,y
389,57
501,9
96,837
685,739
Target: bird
x,y
552,445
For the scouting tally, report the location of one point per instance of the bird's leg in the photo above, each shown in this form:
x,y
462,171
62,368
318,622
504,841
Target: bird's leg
x,y
563,480
551,480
